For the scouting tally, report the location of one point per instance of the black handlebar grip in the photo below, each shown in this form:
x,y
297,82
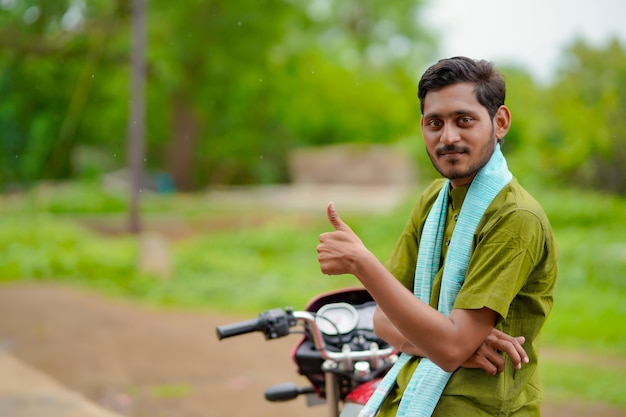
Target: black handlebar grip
x,y
235,329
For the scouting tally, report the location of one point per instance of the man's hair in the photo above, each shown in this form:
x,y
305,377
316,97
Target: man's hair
x,y
490,86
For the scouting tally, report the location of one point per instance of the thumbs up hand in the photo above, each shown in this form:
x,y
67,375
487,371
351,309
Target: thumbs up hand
x,y
339,251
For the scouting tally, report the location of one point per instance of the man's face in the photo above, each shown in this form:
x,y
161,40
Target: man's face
x,y
459,134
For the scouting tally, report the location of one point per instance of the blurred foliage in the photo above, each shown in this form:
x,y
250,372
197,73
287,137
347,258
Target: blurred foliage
x,y
47,75
232,87
574,130
589,102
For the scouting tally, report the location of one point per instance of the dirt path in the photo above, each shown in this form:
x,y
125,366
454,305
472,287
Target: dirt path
x,y
146,363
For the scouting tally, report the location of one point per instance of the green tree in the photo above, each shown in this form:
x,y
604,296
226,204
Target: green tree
x,y
244,84
356,79
51,53
524,144
587,140
232,86
209,83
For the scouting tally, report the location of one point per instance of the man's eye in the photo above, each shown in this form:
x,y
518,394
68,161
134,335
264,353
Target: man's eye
x,y
434,123
465,120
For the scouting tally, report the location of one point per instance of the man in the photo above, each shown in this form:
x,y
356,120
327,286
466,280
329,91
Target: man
x,y
476,262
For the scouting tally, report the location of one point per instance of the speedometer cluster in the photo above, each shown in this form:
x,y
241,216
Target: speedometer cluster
x,y
337,318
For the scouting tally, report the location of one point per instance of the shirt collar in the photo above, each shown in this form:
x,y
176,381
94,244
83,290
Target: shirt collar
x,y
457,196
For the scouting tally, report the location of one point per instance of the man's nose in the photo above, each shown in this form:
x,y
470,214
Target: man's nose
x,y
449,134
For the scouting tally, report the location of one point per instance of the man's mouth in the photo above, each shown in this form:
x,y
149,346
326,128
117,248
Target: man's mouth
x,y
451,150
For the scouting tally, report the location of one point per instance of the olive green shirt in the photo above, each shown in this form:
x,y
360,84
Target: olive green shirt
x,y
512,270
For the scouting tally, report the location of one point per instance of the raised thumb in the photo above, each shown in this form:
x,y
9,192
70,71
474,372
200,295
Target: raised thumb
x,y
334,218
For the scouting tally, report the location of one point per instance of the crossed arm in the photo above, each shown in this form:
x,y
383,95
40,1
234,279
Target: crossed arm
x,y
486,357
464,338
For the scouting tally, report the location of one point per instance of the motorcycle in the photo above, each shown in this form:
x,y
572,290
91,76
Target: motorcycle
x,y
339,354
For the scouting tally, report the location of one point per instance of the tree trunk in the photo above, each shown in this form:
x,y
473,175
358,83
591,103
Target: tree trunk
x,y
184,137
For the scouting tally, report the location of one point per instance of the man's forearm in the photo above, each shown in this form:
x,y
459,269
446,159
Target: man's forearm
x,y
390,334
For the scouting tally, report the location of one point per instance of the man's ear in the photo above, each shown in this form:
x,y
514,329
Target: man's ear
x,y
502,122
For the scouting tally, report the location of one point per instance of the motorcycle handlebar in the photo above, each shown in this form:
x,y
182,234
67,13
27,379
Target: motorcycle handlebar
x,y
273,323
276,323
236,329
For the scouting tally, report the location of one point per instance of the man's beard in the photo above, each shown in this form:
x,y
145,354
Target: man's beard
x,y
454,174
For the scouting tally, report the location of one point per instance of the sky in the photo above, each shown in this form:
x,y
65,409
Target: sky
x,y
530,33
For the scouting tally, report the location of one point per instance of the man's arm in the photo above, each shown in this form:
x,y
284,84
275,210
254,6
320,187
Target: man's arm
x,y
487,357
385,329
448,341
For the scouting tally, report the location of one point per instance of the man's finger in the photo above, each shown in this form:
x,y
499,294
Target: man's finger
x,y
513,350
487,366
334,218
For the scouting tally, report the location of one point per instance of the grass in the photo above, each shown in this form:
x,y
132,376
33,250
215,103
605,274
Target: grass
x,y
583,382
243,261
